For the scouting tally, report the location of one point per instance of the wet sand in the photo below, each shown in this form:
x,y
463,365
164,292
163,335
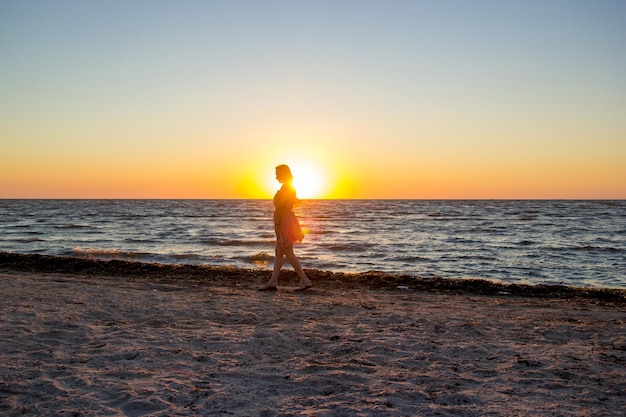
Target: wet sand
x,y
134,344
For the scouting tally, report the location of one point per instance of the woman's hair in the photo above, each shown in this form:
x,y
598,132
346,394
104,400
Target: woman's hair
x,y
284,170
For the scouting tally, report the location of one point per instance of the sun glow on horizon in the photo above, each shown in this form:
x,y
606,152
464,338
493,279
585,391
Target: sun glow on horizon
x,y
318,172
308,181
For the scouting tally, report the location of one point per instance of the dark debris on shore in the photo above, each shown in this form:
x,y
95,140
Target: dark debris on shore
x,y
89,266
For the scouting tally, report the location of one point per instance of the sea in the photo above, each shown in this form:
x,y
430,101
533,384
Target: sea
x,y
565,242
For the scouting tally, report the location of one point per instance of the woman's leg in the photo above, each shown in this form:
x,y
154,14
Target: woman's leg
x,y
278,264
293,260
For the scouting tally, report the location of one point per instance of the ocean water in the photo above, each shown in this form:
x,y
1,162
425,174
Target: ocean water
x,y
578,243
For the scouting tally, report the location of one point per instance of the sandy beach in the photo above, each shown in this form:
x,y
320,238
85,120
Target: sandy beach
x,y
96,345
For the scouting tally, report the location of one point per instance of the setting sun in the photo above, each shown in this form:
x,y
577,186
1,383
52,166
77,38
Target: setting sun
x,y
308,181
317,173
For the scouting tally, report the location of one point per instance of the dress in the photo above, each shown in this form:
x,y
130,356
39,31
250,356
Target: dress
x,y
287,227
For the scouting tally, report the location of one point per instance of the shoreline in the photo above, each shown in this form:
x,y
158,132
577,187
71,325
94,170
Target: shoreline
x,y
324,279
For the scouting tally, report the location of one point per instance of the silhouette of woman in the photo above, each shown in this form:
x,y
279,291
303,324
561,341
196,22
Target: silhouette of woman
x,y
287,230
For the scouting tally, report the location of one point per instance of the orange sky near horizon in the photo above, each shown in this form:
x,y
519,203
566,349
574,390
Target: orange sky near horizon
x,y
342,173
401,100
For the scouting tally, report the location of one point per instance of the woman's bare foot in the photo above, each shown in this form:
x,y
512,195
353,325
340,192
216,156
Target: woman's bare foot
x,y
304,286
270,286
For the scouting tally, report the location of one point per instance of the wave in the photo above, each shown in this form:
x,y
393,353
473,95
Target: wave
x,y
105,253
586,248
232,242
589,248
186,256
31,240
349,247
261,259
71,226
410,259
139,240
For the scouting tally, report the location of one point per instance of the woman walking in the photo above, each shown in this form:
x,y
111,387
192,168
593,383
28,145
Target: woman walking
x,y
288,231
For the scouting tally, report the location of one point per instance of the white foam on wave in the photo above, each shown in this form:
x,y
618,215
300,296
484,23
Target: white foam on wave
x,y
104,253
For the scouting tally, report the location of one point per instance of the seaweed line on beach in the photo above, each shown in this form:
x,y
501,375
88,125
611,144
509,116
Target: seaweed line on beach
x,y
327,279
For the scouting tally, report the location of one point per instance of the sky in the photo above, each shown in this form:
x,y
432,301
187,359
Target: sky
x,y
381,99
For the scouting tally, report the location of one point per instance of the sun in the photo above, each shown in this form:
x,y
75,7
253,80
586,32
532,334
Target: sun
x,y
308,181
311,178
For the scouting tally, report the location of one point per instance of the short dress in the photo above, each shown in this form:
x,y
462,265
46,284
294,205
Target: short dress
x,y
286,225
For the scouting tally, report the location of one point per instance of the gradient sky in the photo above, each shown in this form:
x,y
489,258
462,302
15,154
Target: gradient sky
x,y
379,99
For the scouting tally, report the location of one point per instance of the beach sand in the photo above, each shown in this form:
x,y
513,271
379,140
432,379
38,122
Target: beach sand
x,y
97,345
